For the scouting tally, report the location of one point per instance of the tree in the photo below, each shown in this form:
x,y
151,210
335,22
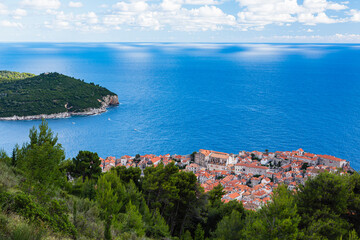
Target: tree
x,y
199,233
158,229
40,160
230,227
304,166
131,220
176,194
107,200
4,157
186,236
216,194
128,174
353,216
137,159
220,210
322,205
279,219
14,155
86,165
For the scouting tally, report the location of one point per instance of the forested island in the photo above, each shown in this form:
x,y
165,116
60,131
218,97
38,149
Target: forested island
x,y
43,195
25,96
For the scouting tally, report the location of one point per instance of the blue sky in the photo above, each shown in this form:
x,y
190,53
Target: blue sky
x,y
180,21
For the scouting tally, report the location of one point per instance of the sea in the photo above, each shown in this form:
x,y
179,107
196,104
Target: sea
x,y
178,98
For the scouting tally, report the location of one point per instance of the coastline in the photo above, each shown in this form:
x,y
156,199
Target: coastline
x,y
109,100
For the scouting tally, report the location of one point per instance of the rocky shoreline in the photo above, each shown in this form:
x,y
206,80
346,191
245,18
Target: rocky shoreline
x,y
107,101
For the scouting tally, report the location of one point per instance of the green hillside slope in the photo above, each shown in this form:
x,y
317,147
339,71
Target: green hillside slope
x,y
47,93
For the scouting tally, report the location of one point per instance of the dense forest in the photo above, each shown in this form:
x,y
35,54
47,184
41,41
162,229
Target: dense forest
x,y
11,76
45,196
23,94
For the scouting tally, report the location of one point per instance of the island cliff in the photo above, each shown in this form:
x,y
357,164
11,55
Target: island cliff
x,y
107,101
49,96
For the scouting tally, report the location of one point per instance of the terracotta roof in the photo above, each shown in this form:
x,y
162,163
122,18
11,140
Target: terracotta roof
x,y
331,158
233,195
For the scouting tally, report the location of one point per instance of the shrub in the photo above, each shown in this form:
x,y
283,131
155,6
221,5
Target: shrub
x,y
26,232
55,215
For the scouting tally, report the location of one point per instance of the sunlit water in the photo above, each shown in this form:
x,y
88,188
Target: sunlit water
x,y
178,98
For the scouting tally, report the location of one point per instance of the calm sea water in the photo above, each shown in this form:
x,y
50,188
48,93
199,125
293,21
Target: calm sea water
x,y
178,98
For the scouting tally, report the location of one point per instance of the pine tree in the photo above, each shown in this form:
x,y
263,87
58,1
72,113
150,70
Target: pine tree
x,y
199,233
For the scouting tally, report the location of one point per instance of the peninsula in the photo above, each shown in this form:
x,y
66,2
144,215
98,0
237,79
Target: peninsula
x,y
25,96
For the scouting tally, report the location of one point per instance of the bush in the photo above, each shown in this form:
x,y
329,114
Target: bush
x,y
26,232
55,214
8,179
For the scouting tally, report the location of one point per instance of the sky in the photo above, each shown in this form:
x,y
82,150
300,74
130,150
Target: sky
x,y
301,21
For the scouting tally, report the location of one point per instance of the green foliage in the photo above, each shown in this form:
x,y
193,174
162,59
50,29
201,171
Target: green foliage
x,y
199,233
88,222
131,220
218,211
278,220
40,160
54,213
4,158
230,227
26,232
353,215
158,227
176,194
186,236
128,174
87,165
321,203
164,204
11,76
106,197
8,179
304,166
216,194
47,94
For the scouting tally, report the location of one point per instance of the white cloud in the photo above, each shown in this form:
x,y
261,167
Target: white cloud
x,y
355,15
41,4
138,6
75,4
187,15
202,2
310,12
339,37
19,13
68,21
316,6
3,9
208,18
168,14
90,18
309,30
171,5
6,23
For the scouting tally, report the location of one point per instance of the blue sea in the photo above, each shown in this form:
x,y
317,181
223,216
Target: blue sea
x,y
177,98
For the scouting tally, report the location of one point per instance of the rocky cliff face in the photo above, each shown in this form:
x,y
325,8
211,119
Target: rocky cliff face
x,y
109,100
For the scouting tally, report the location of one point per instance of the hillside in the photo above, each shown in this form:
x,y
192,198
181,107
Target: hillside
x,y
9,76
44,196
49,93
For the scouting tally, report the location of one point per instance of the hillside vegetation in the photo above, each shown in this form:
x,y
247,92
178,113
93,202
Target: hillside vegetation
x,y
8,76
44,196
46,93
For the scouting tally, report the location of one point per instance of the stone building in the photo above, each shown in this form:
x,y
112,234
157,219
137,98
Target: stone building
x,y
250,168
332,161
